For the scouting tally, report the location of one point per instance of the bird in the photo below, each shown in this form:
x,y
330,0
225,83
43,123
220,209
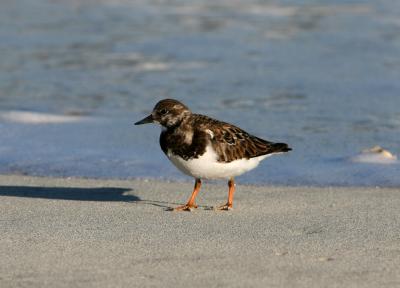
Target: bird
x,y
206,148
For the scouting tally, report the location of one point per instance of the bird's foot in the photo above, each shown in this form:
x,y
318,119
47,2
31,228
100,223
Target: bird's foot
x,y
225,207
186,207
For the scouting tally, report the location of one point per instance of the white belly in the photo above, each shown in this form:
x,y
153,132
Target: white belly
x,y
207,166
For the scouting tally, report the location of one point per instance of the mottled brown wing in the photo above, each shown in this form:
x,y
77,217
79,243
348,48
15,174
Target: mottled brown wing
x,y
232,143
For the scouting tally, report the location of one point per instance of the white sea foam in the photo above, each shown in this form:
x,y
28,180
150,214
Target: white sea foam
x,y
271,10
151,66
28,117
376,155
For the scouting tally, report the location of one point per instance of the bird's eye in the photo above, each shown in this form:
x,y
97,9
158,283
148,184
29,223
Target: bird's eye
x,y
163,111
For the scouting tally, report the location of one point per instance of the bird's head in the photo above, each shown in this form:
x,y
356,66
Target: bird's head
x,y
168,113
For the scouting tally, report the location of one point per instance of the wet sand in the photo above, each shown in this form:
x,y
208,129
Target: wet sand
x,y
99,233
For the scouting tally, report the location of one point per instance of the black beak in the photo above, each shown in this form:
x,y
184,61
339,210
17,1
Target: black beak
x,y
148,119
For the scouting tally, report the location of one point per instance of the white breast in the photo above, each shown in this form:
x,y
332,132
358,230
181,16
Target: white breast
x,y
207,166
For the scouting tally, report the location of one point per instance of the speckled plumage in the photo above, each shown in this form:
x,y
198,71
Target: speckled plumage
x,y
187,135
203,147
229,142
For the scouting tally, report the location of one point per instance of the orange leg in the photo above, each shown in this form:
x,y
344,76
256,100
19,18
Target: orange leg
x,y
229,204
190,204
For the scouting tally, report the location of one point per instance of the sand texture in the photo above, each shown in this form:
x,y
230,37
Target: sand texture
x,y
98,233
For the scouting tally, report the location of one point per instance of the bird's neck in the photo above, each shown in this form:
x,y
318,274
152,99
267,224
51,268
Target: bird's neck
x,y
182,130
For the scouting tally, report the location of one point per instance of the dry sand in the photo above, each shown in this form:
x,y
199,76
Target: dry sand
x,y
98,233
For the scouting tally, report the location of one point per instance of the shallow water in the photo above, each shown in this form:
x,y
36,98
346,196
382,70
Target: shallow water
x,y
322,77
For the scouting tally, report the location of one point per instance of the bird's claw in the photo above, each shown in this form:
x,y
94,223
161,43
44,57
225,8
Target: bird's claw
x,y
186,207
225,207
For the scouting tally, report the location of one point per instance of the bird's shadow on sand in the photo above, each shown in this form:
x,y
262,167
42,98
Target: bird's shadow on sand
x,y
106,194
70,193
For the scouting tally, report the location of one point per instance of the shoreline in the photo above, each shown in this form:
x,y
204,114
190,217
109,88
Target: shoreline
x,y
189,180
74,232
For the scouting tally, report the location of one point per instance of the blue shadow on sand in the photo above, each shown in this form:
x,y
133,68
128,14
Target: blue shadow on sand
x,y
70,193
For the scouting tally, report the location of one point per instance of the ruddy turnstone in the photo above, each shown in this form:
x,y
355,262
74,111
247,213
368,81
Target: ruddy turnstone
x,y
205,148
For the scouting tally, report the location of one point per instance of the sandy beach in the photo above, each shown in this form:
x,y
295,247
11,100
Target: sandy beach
x,y
100,233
